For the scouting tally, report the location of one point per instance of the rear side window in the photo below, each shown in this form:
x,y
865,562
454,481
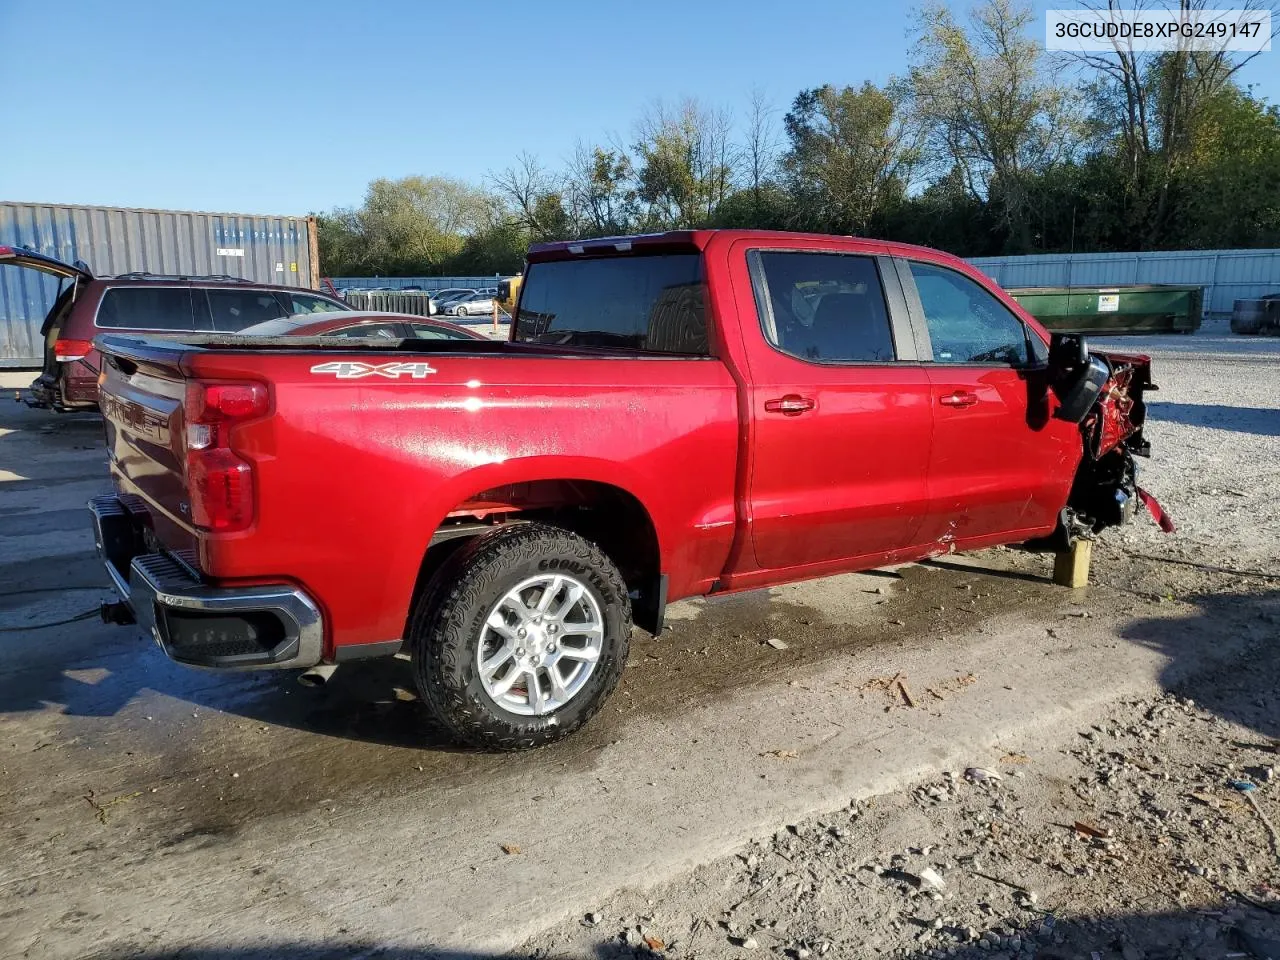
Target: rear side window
x,y
374,331
146,308
233,310
826,307
301,303
654,304
427,331
966,323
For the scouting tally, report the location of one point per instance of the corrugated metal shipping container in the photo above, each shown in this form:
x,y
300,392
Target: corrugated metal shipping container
x,y
114,240
1226,275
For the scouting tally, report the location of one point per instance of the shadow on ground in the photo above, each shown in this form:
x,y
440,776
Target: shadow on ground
x,y
1242,931
1231,691
90,670
1262,421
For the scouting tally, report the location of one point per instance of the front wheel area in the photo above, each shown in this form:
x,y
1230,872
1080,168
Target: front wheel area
x,y
524,639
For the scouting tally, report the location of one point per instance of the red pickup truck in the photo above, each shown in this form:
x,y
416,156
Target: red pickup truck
x,y
674,415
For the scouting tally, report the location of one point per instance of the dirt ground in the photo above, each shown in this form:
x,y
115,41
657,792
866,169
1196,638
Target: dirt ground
x,y
734,797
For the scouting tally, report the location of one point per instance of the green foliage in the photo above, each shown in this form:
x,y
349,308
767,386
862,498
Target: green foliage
x,y
986,147
852,154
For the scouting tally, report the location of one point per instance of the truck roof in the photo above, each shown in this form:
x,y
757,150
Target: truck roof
x,y
689,240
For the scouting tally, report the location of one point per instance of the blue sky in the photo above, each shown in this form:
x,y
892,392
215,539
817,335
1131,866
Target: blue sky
x,y
287,106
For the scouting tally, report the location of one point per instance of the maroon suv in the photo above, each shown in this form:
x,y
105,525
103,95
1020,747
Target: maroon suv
x,y
140,303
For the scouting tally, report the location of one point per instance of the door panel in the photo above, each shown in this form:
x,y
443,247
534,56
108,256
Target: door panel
x,y
841,431
999,464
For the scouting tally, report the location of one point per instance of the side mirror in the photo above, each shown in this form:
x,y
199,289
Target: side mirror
x,y
1077,376
1067,351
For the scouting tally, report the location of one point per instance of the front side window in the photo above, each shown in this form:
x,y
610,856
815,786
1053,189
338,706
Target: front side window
x,y
146,308
824,307
233,310
966,323
654,304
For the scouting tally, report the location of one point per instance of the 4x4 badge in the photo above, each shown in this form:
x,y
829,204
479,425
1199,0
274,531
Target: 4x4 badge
x,y
355,369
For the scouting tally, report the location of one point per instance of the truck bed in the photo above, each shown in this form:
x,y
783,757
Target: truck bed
x,y
354,471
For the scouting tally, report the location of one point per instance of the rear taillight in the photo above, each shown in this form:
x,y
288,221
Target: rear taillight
x,y
64,351
219,480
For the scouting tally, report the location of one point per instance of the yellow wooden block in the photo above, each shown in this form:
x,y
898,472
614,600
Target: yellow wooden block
x,y
1071,567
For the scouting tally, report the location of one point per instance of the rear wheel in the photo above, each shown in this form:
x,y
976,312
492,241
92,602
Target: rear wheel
x,y
524,639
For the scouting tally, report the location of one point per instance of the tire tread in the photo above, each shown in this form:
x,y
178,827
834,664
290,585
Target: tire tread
x,y
442,652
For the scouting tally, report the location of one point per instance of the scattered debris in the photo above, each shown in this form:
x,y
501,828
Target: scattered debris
x,y
1266,822
653,943
930,878
1089,830
101,808
978,774
511,850
778,644
906,694
781,754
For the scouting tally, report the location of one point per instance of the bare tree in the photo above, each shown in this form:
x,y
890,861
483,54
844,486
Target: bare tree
x,y
1153,103
685,162
763,143
990,102
598,193
524,186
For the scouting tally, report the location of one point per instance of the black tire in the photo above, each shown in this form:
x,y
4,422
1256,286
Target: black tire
x,y
448,623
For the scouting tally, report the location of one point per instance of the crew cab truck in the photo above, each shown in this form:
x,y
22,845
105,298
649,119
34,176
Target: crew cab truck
x,y
674,415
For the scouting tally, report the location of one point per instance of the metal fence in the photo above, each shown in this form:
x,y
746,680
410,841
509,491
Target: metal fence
x,y
115,240
416,302
423,283
1226,275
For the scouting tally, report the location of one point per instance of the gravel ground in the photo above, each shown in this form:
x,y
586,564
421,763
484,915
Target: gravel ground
x,y
730,782
1148,833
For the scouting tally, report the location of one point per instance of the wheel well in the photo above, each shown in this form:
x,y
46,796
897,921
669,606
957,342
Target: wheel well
x,y
600,512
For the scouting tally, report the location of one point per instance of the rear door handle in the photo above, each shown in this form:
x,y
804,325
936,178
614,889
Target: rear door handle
x,y
792,405
960,398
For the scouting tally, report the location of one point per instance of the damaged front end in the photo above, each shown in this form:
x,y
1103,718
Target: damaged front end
x,y
1105,394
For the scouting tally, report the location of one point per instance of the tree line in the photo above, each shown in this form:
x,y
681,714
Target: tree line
x,y
988,144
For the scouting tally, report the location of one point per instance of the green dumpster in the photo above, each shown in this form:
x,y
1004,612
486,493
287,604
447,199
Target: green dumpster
x,y
1147,308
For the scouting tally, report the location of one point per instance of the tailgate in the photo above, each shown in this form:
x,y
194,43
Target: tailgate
x,y
142,389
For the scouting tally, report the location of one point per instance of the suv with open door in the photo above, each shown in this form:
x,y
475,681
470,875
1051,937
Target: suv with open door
x,y
140,303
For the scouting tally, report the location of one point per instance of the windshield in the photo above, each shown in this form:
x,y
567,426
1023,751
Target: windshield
x,y
648,303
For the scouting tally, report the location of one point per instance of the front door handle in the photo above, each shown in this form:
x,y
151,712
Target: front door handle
x,y
792,405
960,398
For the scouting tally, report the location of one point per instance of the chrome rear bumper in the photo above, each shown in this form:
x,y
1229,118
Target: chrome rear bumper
x,y
227,628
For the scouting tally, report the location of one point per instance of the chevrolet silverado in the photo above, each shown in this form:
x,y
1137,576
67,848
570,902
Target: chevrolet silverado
x,y
674,415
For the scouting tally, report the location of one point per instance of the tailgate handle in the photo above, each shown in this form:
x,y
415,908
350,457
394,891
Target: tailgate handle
x,y
125,366
792,405
961,398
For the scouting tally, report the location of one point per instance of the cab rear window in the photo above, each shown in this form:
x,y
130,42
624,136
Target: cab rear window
x,y
650,304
